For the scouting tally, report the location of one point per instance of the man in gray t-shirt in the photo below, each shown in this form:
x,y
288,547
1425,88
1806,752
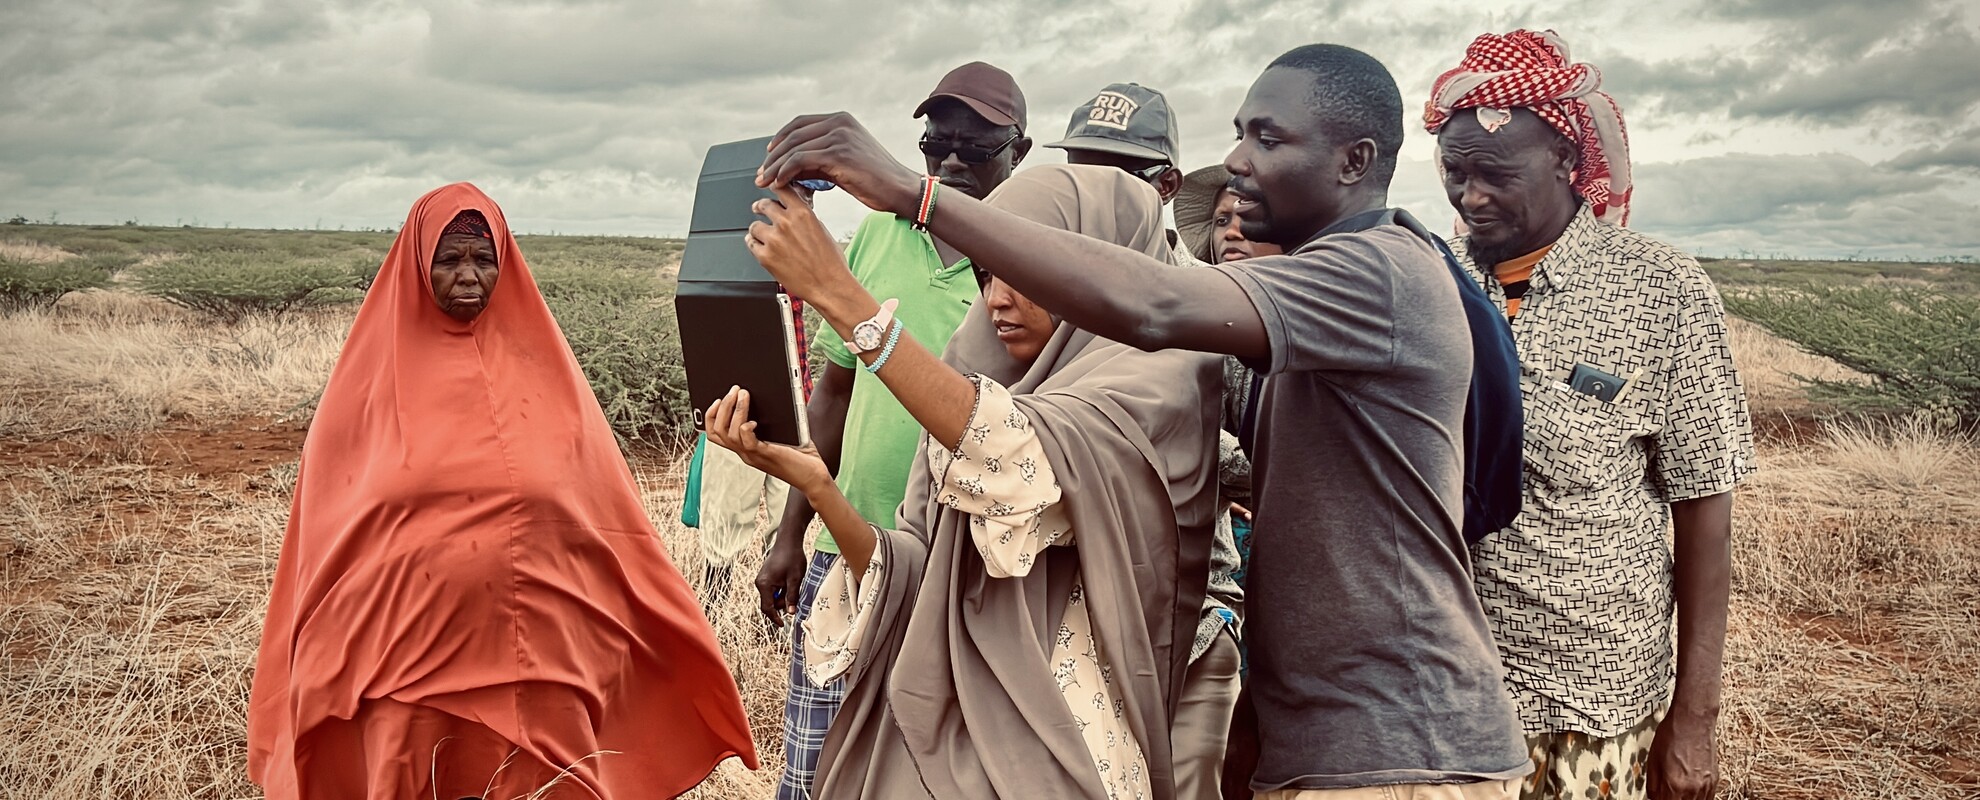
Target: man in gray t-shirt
x,y
1371,663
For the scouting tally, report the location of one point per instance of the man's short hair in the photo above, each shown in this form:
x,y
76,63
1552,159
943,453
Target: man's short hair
x,y
1355,98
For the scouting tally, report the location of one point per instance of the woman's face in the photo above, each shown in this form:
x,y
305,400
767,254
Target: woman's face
x,y
464,273
1225,237
1022,326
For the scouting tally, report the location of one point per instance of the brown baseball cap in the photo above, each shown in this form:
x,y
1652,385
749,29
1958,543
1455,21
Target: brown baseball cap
x,y
987,90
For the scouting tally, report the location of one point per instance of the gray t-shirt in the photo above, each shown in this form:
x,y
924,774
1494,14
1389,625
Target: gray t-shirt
x,y
1371,661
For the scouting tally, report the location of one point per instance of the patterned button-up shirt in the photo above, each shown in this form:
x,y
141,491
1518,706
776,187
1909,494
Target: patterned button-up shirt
x,y
1579,589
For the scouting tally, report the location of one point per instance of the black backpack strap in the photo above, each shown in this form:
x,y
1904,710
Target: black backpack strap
x,y
1247,431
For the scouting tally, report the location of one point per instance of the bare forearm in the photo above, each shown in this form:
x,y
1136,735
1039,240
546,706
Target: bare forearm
x,y
1113,287
797,517
934,393
1113,291
1702,578
826,416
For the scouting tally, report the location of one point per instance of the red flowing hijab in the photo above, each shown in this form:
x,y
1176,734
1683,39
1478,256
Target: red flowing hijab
x,y
470,598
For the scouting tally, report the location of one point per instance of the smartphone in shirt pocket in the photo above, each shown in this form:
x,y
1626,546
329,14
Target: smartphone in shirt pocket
x,y
1582,421
1595,383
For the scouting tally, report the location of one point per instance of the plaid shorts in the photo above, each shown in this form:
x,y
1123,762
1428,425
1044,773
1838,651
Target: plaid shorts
x,y
809,711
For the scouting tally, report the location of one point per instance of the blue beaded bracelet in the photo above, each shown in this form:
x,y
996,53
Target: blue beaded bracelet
x,y
893,338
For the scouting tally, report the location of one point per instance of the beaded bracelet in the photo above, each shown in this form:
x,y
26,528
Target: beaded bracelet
x,y
893,338
929,184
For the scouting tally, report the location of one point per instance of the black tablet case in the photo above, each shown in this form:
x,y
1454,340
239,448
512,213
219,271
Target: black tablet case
x,y
736,326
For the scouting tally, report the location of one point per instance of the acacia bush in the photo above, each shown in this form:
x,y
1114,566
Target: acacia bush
x,y
620,324
1920,348
232,286
30,284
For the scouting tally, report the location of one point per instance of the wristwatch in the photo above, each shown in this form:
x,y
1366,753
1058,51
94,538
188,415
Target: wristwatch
x,y
869,335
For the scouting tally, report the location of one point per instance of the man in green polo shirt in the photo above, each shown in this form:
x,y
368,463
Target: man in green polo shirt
x,y
974,139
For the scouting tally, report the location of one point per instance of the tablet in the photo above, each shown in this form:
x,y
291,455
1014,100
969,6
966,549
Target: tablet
x,y
735,321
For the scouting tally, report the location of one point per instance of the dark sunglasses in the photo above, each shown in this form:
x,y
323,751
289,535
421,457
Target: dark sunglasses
x,y
1150,174
968,153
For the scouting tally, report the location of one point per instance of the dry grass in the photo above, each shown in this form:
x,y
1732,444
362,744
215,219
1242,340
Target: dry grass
x,y
1912,453
115,362
135,555
1769,367
1855,640
24,251
134,602
134,596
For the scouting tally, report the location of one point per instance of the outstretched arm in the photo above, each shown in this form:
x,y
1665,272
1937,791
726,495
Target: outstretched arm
x,y
1112,291
793,245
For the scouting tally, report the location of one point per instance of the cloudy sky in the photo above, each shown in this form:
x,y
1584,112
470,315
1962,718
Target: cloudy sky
x,y
1771,127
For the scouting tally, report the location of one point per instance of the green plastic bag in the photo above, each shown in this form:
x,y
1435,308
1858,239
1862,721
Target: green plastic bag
x,y
691,495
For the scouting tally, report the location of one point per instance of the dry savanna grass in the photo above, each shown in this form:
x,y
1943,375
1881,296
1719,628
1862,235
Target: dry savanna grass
x,y
109,361
146,460
1770,368
28,252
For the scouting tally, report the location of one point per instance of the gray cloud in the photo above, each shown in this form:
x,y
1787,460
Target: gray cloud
x,y
1822,204
1741,188
1962,153
1937,227
1694,86
1929,78
592,115
1835,28
1822,62
623,46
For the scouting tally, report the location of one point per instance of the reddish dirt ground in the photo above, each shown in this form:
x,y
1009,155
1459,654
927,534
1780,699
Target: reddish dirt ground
x,y
235,454
243,446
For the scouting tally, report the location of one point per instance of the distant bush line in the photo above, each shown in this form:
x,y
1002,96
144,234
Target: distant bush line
x,y
620,325
1913,329
233,286
38,284
608,293
1919,347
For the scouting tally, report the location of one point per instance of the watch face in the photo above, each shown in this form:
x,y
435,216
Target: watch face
x,y
866,336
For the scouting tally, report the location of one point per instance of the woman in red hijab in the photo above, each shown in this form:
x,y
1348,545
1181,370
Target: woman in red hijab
x,y
471,600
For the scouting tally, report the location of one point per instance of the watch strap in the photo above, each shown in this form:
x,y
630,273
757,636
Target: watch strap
x,y
878,324
886,314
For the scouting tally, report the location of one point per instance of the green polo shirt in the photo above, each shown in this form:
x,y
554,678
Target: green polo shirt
x,y
892,260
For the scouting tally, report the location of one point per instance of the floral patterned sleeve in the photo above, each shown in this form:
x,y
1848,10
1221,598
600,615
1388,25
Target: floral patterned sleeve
x,y
838,621
999,475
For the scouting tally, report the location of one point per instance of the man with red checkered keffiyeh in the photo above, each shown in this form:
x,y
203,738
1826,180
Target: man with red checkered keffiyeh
x,y
1531,70
1635,425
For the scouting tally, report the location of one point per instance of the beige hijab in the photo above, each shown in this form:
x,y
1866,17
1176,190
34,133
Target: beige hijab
x,y
953,697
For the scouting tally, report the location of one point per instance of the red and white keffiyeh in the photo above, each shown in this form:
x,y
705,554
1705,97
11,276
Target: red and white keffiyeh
x,y
1525,69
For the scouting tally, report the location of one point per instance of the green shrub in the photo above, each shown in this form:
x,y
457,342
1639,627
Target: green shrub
x,y
25,285
1953,277
336,296
599,251
232,286
1920,348
620,324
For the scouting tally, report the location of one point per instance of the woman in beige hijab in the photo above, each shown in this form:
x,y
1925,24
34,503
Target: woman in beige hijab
x,y
1020,631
